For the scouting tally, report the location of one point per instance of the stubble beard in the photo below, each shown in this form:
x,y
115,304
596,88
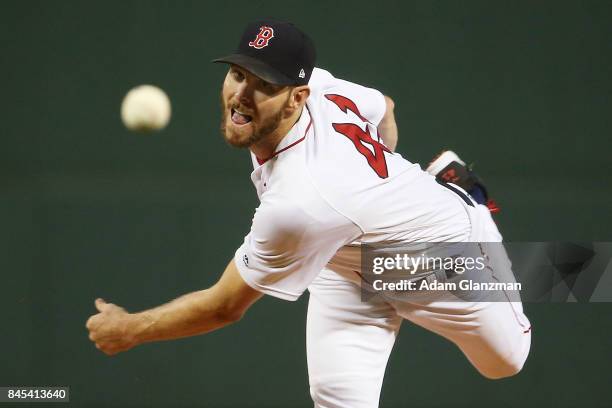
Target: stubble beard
x,y
259,133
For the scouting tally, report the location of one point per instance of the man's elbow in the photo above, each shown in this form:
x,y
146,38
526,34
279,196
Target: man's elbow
x,y
387,126
390,104
232,309
229,314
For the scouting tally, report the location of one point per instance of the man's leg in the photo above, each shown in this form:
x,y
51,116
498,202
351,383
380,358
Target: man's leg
x,y
348,344
494,336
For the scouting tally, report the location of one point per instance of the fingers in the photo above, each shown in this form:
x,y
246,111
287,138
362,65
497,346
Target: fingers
x,y
89,324
110,348
102,330
106,350
100,304
103,306
108,345
92,336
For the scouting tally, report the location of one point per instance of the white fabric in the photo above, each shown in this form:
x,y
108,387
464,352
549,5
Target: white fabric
x,y
320,199
349,340
321,194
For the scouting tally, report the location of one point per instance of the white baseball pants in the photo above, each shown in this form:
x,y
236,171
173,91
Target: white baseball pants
x,y
349,340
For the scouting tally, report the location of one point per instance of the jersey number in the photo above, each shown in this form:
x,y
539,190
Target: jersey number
x,y
359,137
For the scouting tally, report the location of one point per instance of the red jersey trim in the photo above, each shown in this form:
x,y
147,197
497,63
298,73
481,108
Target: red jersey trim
x,y
260,161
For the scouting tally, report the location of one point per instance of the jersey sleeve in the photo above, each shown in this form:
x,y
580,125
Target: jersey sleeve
x,y
288,246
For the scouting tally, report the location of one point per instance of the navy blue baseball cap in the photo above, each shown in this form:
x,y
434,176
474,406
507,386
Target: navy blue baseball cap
x,y
276,51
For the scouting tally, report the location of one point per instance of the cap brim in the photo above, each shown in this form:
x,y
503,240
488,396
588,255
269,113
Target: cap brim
x,y
257,68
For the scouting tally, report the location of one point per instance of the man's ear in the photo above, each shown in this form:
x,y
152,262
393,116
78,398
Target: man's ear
x,y
299,96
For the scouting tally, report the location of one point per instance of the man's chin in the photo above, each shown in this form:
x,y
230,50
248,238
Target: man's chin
x,y
236,139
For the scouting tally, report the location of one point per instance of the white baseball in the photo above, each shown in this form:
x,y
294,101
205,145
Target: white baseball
x,y
145,108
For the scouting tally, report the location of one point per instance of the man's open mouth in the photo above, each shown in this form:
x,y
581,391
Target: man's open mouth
x,y
240,118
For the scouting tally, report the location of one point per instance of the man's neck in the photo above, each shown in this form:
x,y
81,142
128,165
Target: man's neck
x,y
264,149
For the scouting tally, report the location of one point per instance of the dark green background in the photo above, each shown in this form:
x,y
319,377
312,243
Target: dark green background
x,y
88,209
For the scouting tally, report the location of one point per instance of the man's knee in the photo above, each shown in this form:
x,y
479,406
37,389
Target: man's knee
x,y
504,370
506,367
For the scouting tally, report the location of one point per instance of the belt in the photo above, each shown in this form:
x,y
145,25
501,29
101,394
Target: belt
x,y
460,193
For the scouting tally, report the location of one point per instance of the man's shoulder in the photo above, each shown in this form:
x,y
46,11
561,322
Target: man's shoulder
x,y
336,95
323,80
321,77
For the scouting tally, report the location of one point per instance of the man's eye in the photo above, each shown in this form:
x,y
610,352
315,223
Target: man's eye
x,y
268,86
238,75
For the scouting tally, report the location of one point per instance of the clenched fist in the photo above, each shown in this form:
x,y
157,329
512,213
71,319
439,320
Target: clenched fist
x,y
112,329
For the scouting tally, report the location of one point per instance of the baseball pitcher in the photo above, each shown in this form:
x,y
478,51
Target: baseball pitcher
x,y
329,182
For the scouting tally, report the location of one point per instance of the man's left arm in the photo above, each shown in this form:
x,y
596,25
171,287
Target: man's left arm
x,y
114,330
387,128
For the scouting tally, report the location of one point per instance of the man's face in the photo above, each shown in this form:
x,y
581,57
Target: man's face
x,y
251,107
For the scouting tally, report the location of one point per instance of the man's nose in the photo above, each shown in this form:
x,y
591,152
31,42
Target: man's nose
x,y
244,93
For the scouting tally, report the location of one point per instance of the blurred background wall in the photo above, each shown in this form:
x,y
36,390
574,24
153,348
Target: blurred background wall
x,y
88,209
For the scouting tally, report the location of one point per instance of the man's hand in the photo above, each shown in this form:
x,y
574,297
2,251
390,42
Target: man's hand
x,y
111,329
114,330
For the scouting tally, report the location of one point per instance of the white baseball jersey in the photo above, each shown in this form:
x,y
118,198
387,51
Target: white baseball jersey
x,y
332,185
